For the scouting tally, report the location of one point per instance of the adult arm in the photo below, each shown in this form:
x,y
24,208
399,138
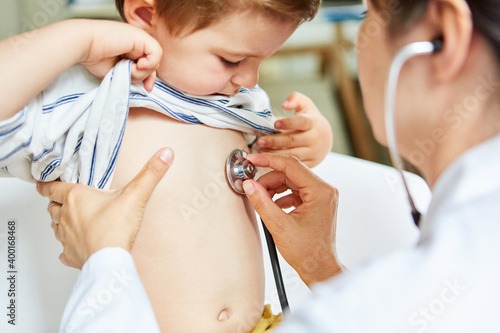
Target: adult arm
x,y
306,236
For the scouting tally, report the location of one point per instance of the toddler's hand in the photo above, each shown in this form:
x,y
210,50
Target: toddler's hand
x,y
112,41
307,135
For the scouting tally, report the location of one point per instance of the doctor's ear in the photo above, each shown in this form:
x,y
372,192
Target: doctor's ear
x,y
139,13
452,21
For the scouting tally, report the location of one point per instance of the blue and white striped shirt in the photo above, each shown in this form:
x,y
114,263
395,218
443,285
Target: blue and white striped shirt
x,y
72,130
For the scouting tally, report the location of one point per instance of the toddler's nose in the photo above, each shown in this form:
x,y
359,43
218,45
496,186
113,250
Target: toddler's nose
x,y
246,78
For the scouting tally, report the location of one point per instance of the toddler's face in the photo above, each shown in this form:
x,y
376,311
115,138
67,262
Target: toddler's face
x,y
223,57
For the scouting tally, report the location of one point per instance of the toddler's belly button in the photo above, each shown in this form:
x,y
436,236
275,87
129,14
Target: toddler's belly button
x,y
224,315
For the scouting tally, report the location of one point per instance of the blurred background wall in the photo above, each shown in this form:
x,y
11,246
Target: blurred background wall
x,y
18,16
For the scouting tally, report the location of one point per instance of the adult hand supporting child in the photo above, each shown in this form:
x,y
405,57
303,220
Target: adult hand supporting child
x,y
307,135
86,219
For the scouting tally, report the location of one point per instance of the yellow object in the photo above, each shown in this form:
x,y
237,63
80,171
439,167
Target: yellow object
x,y
268,321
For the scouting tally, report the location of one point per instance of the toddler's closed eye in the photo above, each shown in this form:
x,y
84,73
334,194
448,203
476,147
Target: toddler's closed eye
x,y
230,64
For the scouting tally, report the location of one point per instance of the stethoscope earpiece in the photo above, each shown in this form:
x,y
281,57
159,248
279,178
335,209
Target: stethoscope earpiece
x,y
438,44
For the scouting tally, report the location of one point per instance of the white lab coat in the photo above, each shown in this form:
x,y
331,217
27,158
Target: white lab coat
x,y
447,283
109,297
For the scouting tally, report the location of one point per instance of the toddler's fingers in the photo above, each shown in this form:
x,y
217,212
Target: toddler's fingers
x,y
140,74
284,140
149,62
148,77
301,153
298,102
149,82
300,122
147,52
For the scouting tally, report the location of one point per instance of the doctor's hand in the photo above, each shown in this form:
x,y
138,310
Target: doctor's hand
x,y
86,219
306,236
307,135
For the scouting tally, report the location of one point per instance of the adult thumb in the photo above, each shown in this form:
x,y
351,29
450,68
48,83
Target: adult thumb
x,y
262,203
144,183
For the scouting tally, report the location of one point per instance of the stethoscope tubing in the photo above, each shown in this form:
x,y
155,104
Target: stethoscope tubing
x,y
275,264
406,53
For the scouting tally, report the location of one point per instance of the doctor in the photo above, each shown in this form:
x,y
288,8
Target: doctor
x,y
447,124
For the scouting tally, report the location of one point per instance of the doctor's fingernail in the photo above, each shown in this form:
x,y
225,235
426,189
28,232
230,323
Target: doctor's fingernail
x,y
278,124
166,155
261,143
248,187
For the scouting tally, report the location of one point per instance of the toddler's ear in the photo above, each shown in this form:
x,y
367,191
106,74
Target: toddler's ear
x,y
139,13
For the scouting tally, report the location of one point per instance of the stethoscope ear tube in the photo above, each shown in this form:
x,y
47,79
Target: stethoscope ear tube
x,y
406,53
278,278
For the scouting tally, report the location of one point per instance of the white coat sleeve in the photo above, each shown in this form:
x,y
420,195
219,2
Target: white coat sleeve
x,y
109,297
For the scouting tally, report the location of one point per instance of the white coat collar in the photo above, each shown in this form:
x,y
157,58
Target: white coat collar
x,y
474,175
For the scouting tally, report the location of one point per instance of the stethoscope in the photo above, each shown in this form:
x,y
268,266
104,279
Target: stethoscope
x,y
239,169
406,53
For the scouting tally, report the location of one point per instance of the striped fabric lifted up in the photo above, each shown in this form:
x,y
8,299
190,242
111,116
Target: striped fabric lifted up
x,y
72,130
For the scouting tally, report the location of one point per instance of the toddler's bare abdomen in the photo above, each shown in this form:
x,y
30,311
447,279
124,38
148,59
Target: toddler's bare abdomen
x,y
198,251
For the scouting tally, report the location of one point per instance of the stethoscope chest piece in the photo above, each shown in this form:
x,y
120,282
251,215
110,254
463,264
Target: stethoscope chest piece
x,y
238,169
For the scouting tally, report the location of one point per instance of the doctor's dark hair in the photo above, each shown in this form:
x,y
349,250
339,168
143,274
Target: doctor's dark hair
x,y
188,16
485,15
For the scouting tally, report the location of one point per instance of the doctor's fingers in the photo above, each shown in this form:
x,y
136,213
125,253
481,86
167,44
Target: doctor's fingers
x,y
272,215
283,200
289,201
276,182
293,169
295,174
